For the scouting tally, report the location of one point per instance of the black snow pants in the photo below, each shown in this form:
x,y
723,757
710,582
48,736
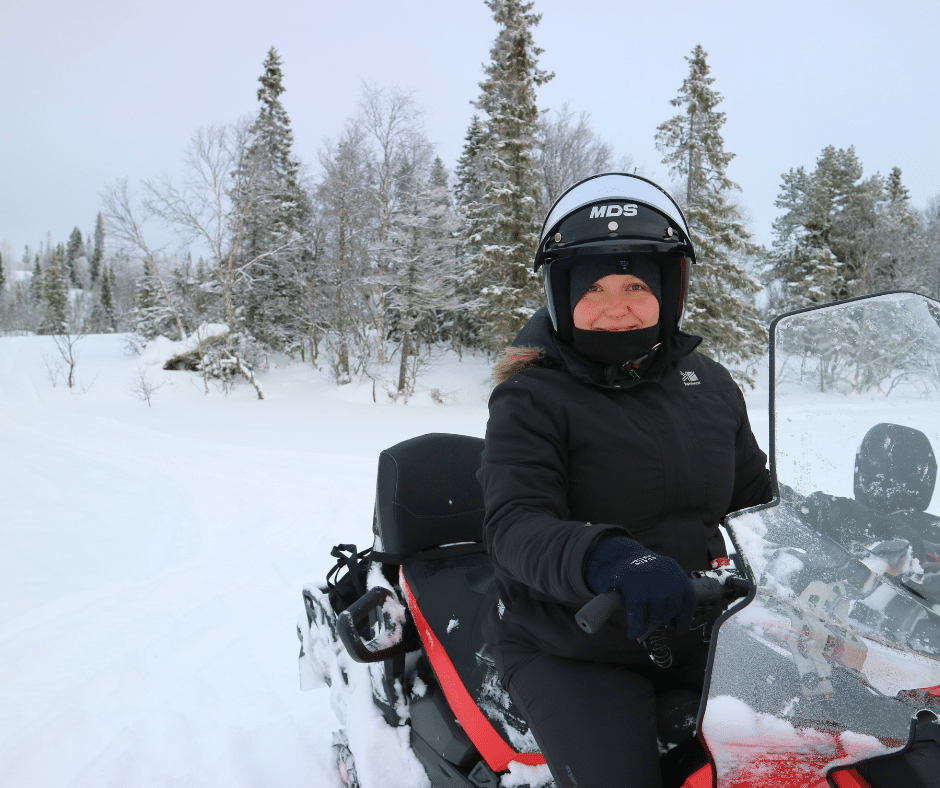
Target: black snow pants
x,y
598,724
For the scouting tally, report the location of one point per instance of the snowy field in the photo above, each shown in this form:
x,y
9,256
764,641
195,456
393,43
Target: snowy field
x,y
152,561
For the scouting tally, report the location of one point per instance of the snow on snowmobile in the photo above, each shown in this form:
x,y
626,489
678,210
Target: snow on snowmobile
x,y
824,670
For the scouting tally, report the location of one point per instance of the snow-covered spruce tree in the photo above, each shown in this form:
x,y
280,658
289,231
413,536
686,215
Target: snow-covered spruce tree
x,y
468,190
5,300
153,314
27,294
801,259
4,307
97,255
852,202
103,319
441,233
36,287
273,215
74,250
196,292
469,172
502,223
567,151
120,294
55,288
826,233
347,222
899,245
151,296
719,307
108,311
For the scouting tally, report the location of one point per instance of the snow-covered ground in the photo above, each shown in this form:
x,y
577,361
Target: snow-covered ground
x,y
152,560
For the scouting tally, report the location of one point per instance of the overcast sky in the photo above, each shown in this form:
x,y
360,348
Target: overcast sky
x,y
103,89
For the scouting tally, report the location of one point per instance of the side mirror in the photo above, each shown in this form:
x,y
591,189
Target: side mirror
x,y
390,615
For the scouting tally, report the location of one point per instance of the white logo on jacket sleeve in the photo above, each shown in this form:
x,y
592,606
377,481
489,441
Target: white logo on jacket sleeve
x,y
689,378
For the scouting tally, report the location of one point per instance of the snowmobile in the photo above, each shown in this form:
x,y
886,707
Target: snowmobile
x,y
824,668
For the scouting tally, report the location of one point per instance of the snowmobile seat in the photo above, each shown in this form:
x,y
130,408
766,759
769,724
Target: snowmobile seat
x,y
427,496
429,521
895,476
895,469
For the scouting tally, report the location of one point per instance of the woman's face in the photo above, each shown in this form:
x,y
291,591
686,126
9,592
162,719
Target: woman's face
x,y
618,302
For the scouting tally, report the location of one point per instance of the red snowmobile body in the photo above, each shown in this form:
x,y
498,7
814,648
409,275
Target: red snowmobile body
x,y
826,674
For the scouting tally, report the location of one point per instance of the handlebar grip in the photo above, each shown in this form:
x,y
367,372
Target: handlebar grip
x,y
708,591
592,616
347,627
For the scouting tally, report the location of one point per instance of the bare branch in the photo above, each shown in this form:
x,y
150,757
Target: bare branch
x,y
142,387
65,344
127,225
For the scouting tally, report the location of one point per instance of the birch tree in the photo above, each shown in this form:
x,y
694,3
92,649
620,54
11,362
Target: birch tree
x,y
199,210
348,222
391,121
420,284
567,150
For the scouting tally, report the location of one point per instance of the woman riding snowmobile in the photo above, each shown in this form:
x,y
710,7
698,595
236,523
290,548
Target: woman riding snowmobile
x,y
613,450
828,674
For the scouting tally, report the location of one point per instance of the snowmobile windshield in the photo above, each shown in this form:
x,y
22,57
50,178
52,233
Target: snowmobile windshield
x,y
840,647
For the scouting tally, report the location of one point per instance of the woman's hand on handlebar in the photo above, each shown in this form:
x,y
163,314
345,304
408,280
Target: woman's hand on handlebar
x,y
712,590
652,587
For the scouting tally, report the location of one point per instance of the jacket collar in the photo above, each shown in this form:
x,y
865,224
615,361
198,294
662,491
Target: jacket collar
x,y
538,332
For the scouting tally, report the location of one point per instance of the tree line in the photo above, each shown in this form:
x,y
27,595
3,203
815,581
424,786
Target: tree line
x,y
381,255
59,285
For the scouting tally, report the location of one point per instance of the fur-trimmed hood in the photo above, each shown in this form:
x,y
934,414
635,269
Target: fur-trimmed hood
x,y
535,346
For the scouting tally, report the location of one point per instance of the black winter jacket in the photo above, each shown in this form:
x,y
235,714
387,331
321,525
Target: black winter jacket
x,y
567,459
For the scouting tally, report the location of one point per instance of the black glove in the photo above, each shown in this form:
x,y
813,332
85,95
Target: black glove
x,y
652,587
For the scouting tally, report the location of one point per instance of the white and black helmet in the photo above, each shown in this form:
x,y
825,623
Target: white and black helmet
x,y
620,217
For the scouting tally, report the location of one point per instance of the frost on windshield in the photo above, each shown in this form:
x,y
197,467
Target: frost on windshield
x,y
841,646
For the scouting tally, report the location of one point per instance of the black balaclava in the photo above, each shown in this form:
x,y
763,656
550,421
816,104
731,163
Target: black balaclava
x,y
614,347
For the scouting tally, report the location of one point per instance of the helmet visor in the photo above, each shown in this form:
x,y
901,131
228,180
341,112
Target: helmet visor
x,y
617,188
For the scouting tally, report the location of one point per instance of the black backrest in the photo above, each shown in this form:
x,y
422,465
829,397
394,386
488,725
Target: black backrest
x,y
895,469
427,493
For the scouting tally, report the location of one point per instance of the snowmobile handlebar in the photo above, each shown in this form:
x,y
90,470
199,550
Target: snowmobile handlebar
x,y
709,592
377,603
